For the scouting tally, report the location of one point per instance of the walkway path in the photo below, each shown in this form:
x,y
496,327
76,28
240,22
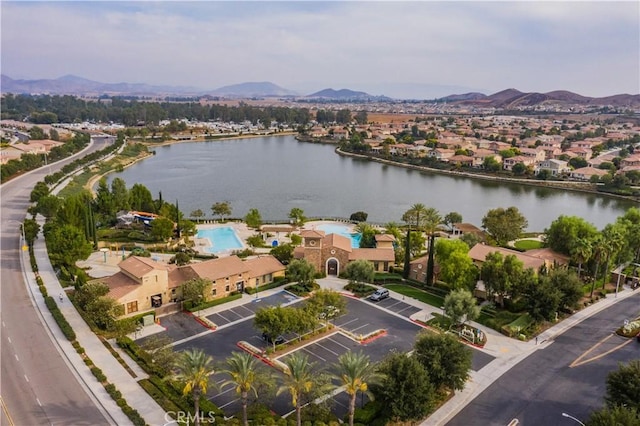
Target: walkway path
x,y
135,396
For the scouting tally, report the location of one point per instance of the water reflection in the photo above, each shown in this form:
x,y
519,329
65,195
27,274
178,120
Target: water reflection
x,y
275,174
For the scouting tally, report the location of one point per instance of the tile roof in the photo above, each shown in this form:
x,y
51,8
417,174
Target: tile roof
x,y
216,268
385,237
120,284
337,241
138,266
372,254
263,265
480,251
312,233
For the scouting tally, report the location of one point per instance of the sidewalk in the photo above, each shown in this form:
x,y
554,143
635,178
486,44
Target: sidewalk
x,y
482,379
135,396
508,352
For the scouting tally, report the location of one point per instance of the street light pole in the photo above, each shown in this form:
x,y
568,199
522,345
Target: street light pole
x,y
572,418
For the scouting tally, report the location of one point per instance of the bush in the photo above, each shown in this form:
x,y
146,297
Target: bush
x,y
214,302
65,327
360,289
99,374
277,282
367,414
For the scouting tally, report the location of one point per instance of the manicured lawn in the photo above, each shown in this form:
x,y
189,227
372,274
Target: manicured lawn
x,y
528,244
416,293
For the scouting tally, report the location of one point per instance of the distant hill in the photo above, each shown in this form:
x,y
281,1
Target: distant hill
x,y
74,85
345,94
252,90
505,99
512,98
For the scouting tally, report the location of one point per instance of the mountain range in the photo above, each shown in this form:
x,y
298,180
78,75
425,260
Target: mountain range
x,y
510,98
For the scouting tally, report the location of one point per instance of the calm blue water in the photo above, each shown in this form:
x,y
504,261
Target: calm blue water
x,y
223,239
275,174
341,230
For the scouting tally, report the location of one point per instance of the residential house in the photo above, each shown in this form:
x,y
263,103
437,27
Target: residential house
x,y
581,152
555,167
481,154
462,160
441,154
585,173
508,163
537,154
632,160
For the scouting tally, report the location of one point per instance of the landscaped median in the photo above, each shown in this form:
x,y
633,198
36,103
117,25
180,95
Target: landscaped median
x,y
204,321
363,339
262,355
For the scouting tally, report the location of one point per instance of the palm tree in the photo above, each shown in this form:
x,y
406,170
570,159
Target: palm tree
x,y
298,380
356,373
581,252
193,369
600,251
242,369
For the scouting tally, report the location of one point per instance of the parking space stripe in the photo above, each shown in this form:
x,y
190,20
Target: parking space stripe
x,y
358,328
404,309
328,350
313,354
246,309
235,313
338,343
223,317
348,322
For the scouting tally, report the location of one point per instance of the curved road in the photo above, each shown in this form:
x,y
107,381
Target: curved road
x,y
36,384
568,376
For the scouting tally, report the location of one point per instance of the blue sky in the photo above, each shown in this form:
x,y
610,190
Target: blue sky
x,y
400,49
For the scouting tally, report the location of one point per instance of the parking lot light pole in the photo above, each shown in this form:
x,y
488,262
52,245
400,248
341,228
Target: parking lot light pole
x,y
572,418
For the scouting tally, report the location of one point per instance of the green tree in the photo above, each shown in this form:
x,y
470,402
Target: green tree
x,y
618,416
297,215
446,359
562,234
451,218
67,244
359,271
48,206
569,285
359,216
368,235
456,267
581,252
31,228
623,386
501,275
140,199
542,300
193,368
461,306
253,219
326,304
504,225
160,350
405,390
299,380
273,321
193,290
89,292
301,271
221,209
120,195
162,228
197,214
104,200
283,252
36,133
356,373
40,190
242,368
491,164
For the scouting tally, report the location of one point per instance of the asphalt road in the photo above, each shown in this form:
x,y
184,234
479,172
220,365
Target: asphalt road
x,y
544,385
361,317
37,385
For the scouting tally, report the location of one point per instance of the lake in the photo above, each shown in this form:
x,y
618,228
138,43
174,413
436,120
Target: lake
x,y
277,173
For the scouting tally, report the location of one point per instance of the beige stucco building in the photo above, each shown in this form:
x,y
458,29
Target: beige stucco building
x,y
331,253
143,284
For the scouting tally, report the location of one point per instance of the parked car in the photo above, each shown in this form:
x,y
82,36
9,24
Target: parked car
x,y
381,293
279,340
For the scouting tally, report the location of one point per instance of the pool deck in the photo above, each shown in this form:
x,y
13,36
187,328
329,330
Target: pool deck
x,y
241,229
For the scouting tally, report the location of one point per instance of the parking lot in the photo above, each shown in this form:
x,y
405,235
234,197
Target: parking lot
x,y
361,318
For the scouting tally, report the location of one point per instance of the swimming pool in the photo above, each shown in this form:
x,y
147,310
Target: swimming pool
x,y
221,239
341,230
